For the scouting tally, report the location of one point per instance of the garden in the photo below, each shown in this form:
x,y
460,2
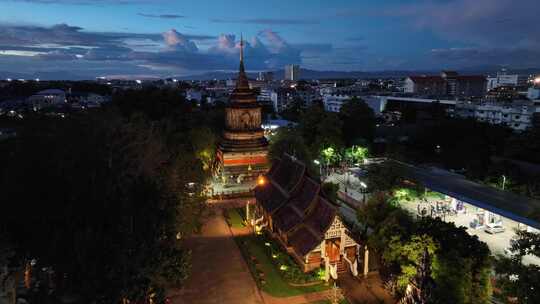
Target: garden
x,y
275,271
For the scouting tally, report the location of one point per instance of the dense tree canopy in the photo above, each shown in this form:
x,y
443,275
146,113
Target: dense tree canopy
x,y
460,265
105,198
358,122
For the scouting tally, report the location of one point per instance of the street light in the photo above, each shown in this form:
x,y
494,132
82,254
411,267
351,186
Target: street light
x,y
318,163
261,181
364,187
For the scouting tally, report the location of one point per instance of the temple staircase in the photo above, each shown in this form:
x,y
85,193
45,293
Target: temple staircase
x,y
342,266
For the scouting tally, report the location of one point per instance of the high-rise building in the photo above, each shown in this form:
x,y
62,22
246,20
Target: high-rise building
x,y
243,151
292,72
265,76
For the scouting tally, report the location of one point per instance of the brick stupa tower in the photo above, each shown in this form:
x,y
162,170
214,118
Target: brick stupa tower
x,y
242,153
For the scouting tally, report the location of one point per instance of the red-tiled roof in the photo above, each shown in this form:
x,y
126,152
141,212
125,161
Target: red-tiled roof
x,y
270,197
424,79
296,205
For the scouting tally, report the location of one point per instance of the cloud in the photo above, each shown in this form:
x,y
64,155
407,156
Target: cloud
x,y
487,23
175,40
66,46
268,21
516,57
162,16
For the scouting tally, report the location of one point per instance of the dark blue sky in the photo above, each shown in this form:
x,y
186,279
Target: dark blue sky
x,y
165,37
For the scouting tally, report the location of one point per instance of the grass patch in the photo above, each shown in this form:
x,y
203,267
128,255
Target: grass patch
x,y
270,278
234,219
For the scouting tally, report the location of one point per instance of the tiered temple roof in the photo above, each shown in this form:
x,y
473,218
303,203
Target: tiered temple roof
x,y
296,205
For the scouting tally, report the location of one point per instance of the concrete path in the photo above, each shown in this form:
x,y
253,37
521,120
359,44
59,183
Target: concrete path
x,y
219,273
360,290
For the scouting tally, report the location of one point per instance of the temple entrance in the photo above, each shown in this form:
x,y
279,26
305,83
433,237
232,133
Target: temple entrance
x,y
332,250
351,253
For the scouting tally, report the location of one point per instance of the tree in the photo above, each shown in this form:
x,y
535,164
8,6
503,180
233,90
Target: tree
x,y
109,201
294,110
408,255
460,263
383,177
288,140
514,277
204,143
358,121
331,190
355,154
320,129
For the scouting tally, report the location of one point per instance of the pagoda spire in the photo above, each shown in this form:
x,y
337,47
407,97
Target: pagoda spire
x,y
241,49
242,81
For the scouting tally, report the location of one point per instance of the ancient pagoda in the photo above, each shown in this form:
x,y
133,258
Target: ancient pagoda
x,y
242,154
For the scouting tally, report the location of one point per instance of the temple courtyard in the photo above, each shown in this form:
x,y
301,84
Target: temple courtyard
x,y
221,275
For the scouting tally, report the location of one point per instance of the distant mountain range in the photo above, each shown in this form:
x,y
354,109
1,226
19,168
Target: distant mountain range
x,y
52,75
278,74
313,74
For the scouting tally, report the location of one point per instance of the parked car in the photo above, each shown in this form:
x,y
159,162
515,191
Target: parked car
x,y
493,229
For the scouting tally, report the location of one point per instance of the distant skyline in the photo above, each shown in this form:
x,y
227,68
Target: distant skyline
x,y
159,38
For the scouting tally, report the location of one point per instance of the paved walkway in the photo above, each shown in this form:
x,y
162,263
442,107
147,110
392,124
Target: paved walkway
x,y
219,273
360,291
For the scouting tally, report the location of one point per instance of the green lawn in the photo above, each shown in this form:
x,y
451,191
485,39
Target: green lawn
x,y
266,274
234,218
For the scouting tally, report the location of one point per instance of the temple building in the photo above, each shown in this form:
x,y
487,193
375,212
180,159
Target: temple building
x,y
243,151
291,206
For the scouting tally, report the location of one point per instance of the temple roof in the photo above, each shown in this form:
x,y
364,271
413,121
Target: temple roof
x,y
296,204
296,210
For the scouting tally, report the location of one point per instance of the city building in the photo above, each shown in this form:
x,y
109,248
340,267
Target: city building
x,y
449,83
281,98
265,76
49,97
333,103
85,98
425,85
293,208
464,85
265,96
243,151
517,115
292,72
504,79
307,94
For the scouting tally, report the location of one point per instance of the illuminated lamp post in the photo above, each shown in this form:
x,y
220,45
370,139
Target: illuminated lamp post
x,y
318,163
261,181
364,190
